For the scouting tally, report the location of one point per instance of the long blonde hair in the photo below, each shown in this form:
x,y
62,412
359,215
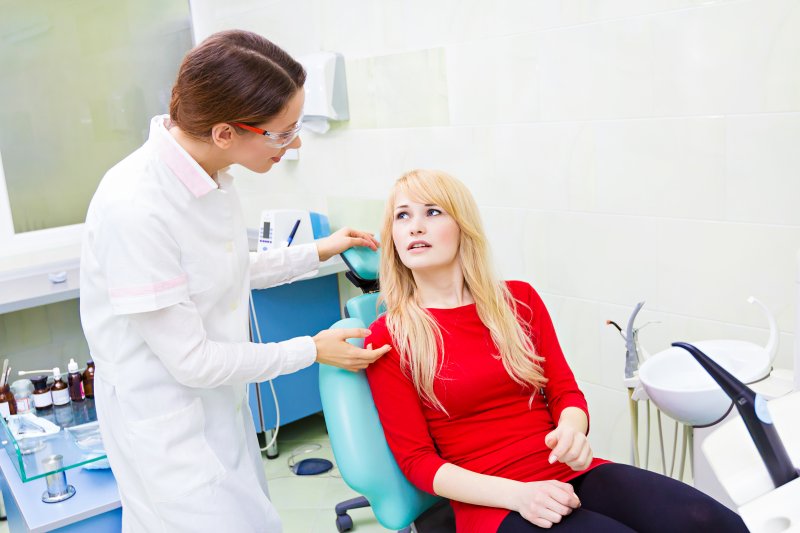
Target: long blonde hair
x,y
414,331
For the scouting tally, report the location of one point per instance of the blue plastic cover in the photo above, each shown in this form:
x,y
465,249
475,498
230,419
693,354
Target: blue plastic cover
x,y
364,307
363,262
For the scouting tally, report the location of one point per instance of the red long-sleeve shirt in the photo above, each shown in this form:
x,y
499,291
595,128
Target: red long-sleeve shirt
x,y
490,428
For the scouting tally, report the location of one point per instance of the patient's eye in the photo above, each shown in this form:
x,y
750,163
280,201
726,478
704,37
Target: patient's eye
x,y
401,215
432,212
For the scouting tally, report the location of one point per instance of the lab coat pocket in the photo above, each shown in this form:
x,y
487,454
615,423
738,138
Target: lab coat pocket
x,y
172,454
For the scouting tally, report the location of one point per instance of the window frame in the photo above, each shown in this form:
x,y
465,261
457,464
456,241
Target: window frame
x,y
14,244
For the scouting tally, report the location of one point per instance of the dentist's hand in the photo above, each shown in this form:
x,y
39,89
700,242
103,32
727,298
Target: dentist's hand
x,y
570,446
333,349
342,239
544,503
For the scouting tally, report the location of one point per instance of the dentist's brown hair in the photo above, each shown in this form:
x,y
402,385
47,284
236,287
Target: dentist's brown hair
x,y
233,76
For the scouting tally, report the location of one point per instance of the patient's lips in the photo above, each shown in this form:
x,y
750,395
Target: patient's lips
x,y
418,246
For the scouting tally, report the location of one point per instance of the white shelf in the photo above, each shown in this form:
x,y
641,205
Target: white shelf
x,y
30,287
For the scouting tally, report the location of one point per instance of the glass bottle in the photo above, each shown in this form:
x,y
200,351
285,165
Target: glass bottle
x,y
42,398
8,406
88,379
23,395
75,381
59,389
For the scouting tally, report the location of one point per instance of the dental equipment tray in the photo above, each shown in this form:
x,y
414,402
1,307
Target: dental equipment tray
x,y
78,441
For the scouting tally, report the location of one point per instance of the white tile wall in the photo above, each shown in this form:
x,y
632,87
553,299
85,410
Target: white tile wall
x,y
620,151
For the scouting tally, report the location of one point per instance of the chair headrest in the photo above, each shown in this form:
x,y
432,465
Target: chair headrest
x,y
363,264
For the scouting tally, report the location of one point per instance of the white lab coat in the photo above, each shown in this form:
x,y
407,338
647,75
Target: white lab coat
x,y
165,277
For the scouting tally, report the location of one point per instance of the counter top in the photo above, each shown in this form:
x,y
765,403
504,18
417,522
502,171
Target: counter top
x,y
31,287
96,493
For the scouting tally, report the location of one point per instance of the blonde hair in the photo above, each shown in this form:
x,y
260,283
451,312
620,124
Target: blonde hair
x,y
415,332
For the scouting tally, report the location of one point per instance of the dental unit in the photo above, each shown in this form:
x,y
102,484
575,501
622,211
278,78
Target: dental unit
x,y
752,408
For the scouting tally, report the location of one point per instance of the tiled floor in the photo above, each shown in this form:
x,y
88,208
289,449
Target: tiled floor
x,y
306,503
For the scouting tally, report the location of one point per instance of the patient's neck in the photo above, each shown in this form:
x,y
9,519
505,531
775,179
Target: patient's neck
x,y
442,288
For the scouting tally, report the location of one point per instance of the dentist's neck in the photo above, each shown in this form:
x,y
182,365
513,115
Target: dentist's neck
x,y
205,153
442,288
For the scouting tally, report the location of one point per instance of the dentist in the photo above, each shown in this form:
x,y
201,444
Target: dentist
x,y
165,275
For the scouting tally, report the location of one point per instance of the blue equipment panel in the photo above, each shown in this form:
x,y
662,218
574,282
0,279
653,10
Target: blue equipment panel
x,y
287,311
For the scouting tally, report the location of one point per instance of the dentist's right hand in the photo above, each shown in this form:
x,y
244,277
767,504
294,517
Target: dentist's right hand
x,y
544,503
333,349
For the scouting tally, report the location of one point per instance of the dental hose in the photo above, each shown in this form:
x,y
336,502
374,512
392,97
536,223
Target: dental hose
x,y
634,412
647,438
272,442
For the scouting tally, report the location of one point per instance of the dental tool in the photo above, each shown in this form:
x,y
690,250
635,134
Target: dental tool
x,y
25,423
26,372
754,412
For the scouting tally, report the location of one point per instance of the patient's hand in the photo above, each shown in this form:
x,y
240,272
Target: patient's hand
x,y
544,503
570,446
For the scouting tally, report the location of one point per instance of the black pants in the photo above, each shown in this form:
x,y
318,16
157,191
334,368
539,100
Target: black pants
x,y
623,498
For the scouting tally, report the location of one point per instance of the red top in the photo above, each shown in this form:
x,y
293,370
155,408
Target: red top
x,y
491,429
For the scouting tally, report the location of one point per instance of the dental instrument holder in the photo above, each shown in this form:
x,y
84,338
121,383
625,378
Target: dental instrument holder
x,y
58,489
753,409
632,357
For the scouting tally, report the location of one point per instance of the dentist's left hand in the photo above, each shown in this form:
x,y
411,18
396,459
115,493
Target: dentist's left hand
x,y
342,239
334,350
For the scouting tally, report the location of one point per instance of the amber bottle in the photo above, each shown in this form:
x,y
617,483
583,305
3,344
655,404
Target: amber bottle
x,y
88,379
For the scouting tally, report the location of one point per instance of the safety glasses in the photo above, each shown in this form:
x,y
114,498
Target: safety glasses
x,y
275,140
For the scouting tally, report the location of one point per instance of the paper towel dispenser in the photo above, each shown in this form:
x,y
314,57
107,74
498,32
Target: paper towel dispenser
x,y
326,90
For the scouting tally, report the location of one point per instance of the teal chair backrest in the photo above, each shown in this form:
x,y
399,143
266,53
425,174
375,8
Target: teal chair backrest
x,y
359,445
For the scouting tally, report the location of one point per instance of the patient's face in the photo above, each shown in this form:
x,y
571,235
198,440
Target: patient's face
x,y
425,236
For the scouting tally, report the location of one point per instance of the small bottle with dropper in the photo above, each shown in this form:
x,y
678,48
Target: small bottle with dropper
x,y
59,389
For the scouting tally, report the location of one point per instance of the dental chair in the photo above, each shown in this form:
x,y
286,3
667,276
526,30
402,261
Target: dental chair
x,y
359,445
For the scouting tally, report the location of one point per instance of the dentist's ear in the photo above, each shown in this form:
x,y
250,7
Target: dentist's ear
x,y
222,135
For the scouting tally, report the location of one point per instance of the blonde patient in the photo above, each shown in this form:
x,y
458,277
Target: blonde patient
x,y
476,398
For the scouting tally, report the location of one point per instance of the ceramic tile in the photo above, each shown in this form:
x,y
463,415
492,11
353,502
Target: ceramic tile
x,y
709,269
536,260
735,57
609,430
761,163
306,503
605,258
502,227
386,92
664,167
597,71
531,165
493,81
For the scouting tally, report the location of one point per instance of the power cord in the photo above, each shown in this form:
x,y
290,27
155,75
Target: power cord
x,y
254,326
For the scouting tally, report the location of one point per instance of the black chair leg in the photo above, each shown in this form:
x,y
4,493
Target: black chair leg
x,y
343,520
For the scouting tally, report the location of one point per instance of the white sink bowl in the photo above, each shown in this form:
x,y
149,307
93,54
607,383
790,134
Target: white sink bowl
x,y
684,391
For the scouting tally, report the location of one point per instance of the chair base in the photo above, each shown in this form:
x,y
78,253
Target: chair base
x,y
437,519
343,520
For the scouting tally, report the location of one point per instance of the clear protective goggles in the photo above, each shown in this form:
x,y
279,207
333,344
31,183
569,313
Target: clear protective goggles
x,y
274,139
